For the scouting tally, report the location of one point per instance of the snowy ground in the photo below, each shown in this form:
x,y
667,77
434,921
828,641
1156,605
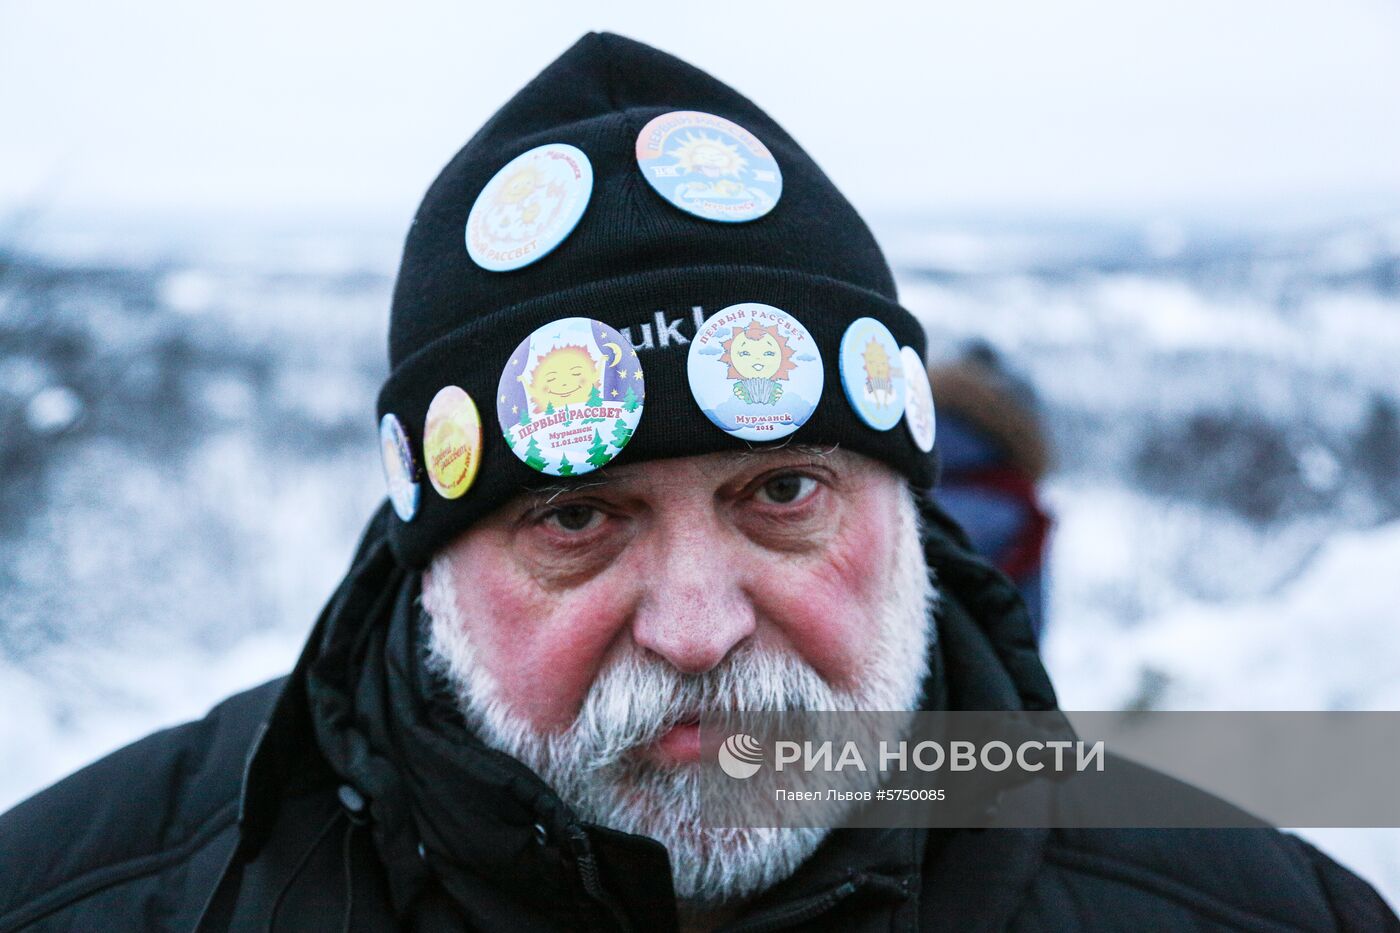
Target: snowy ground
x,y
187,454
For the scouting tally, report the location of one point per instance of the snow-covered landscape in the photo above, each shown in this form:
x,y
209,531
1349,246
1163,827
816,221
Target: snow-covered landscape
x,y
187,453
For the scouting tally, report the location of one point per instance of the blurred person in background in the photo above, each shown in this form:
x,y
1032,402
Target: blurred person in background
x,y
493,724
993,453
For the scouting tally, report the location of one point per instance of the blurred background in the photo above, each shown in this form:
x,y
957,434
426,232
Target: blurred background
x,y
1178,224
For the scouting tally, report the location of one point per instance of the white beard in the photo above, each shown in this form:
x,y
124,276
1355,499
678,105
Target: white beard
x,y
637,697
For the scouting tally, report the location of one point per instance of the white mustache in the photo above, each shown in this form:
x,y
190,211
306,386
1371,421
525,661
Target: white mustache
x,y
639,698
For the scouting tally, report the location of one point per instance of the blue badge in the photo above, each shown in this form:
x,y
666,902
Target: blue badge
x,y
755,371
709,166
529,207
872,373
918,409
400,472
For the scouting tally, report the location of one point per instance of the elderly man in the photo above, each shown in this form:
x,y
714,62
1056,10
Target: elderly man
x,y
650,434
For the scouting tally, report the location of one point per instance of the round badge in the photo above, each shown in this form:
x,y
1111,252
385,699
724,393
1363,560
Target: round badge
x,y
918,409
872,373
571,396
529,207
709,166
400,473
755,371
452,442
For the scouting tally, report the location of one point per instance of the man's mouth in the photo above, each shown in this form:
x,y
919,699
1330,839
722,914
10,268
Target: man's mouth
x,y
680,743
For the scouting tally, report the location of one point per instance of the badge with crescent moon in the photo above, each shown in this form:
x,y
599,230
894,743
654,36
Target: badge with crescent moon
x,y
570,396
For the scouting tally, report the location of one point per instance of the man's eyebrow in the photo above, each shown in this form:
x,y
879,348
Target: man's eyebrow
x,y
814,451
544,495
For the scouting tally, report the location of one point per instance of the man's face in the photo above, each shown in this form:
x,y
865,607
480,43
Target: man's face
x,y
587,630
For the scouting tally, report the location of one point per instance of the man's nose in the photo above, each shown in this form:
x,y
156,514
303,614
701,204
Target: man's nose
x,y
695,608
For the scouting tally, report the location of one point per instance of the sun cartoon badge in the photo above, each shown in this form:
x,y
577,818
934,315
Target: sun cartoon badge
x,y
755,371
758,358
452,441
528,207
570,396
878,379
709,166
565,376
872,373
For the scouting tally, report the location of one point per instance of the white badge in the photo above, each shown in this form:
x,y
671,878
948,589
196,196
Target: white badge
x,y
529,207
918,409
755,371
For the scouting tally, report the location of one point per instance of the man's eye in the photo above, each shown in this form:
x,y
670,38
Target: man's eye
x,y
785,490
574,518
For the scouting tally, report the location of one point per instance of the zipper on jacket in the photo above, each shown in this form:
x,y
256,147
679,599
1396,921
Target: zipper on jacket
x,y
588,872
796,912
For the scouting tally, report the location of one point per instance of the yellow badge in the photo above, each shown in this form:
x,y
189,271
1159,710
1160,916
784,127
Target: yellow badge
x,y
452,442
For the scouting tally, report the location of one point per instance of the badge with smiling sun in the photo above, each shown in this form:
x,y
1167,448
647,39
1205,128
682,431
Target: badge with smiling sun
x,y
570,397
709,166
755,371
872,373
529,207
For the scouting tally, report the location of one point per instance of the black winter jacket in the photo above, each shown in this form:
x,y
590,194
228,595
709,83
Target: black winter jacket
x,y
326,800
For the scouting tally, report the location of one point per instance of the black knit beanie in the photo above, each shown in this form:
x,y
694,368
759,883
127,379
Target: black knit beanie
x,y
645,265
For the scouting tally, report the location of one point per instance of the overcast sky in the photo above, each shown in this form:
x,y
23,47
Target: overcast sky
x,y
303,108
